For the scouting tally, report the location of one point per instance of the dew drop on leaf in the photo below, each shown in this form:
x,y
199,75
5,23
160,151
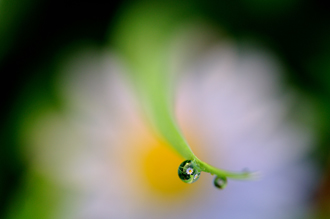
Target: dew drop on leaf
x,y
189,171
220,182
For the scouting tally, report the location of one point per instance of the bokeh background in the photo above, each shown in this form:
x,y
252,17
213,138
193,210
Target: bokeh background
x,y
253,91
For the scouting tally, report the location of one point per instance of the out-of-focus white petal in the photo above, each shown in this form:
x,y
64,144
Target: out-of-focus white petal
x,y
235,101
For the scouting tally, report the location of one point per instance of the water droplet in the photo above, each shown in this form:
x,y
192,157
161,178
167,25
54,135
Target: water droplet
x,y
189,171
220,182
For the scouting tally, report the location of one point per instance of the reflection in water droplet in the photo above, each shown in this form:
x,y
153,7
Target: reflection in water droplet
x,y
189,171
220,182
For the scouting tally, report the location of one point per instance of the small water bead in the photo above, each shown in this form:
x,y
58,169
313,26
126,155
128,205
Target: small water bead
x,y
220,182
189,171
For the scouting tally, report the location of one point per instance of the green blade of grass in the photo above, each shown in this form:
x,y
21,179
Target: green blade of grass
x,y
142,37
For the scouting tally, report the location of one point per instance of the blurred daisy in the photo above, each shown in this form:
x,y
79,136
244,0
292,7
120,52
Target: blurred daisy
x,y
104,160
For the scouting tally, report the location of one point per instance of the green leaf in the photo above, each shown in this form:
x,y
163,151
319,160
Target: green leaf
x,y
142,37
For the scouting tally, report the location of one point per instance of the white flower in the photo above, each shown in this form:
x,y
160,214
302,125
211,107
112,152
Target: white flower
x,y
189,171
231,107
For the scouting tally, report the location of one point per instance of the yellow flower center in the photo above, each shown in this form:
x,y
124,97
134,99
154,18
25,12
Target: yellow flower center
x,y
160,167
156,165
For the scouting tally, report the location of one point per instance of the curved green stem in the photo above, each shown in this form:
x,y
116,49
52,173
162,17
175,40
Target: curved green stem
x,y
244,175
143,37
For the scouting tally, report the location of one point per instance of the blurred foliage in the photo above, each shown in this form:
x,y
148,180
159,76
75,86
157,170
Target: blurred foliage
x,y
32,32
